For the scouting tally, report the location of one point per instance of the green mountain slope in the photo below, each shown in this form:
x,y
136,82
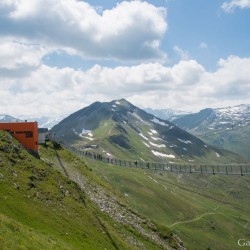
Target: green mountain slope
x,y
120,129
41,208
236,140
207,211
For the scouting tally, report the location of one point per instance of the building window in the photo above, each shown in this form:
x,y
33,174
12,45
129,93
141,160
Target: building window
x,y
28,134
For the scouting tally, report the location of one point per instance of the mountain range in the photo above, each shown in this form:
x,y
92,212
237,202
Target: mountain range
x,y
43,122
64,201
167,114
122,130
8,118
208,120
227,128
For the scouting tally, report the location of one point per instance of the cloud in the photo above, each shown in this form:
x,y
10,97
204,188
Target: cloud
x,y
131,31
186,85
203,45
181,53
231,5
118,33
20,55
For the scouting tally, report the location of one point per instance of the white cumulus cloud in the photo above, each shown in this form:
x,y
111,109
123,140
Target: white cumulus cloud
x,y
231,5
129,31
186,85
17,54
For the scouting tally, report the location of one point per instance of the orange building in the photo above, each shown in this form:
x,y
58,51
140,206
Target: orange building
x,y
25,132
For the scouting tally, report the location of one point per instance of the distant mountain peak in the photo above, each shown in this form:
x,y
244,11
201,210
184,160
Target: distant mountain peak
x,y
120,129
166,114
123,102
8,118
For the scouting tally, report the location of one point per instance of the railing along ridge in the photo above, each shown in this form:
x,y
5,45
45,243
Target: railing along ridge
x,y
226,169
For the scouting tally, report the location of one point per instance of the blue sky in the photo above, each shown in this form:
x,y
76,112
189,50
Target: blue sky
x,y
58,56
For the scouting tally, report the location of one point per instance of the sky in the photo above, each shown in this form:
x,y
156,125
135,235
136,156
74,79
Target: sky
x,y
58,56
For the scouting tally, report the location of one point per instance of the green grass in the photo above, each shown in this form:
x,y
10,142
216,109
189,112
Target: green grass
x,y
42,202
40,208
139,151
73,169
204,210
234,140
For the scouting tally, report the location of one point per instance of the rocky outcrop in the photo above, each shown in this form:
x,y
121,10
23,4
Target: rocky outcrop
x,y
122,214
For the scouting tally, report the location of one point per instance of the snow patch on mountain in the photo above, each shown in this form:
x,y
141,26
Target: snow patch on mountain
x,y
217,155
108,154
144,137
86,131
146,144
157,145
87,134
156,153
155,138
185,141
138,117
153,131
155,120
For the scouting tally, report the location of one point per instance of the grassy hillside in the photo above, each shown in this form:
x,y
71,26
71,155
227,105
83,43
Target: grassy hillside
x,y
41,208
236,140
208,212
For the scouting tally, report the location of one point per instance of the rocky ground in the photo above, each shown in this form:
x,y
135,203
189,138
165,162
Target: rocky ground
x,y
119,212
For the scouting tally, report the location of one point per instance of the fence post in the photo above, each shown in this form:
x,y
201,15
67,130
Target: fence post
x,y
241,173
190,169
226,170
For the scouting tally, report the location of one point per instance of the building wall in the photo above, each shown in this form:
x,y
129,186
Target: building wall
x,y
25,132
42,137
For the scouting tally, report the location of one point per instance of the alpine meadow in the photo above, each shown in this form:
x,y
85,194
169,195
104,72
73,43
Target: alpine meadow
x,y
124,124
